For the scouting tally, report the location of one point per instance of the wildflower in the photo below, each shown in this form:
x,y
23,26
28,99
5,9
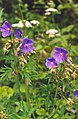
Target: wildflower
x,y
76,93
27,45
51,63
47,13
52,32
28,24
73,111
60,55
34,22
51,10
6,29
18,33
19,24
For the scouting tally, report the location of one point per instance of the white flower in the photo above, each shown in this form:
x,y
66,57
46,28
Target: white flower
x,y
47,13
20,24
34,22
52,32
15,25
51,10
28,24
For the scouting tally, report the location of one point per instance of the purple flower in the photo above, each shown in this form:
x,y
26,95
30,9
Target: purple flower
x,y
51,63
76,93
73,111
27,45
6,29
60,55
18,33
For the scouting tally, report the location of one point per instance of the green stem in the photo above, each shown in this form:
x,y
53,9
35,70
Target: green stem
x,y
56,90
26,90
21,102
21,14
52,114
53,109
19,89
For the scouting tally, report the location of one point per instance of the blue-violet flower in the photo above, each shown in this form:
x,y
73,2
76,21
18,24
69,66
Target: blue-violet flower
x,y
18,33
6,29
60,55
73,111
27,45
76,93
51,63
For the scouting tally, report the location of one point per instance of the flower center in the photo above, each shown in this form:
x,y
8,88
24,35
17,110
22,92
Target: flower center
x,y
61,54
19,33
26,45
52,64
8,29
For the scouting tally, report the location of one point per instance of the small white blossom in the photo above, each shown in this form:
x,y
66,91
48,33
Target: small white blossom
x,y
28,24
52,32
51,10
34,22
47,13
15,25
19,24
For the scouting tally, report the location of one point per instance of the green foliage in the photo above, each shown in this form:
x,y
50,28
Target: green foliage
x,y
1,13
6,91
27,89
4,71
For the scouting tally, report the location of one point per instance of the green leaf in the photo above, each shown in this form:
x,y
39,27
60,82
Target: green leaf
x,y
38,47
6,91
42,75
31,65
40,111
22,88
67,29
18,106
25,118
75,84
56,116
66,6
5,73
16,88
1,13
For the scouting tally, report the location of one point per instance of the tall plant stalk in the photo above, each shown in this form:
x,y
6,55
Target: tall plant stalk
x,y
27,92
19,6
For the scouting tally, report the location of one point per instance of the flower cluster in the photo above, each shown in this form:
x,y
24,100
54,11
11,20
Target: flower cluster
x,y
6,30
50,11
27,24
59,56
52,33
27,44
